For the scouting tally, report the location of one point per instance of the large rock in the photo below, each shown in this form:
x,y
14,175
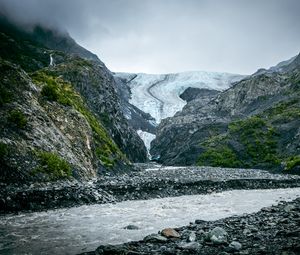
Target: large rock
x,y
170,233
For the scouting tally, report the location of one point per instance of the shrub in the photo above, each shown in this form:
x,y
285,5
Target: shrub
x,y
50,92
53,165
3,151
292,162
5,96
223,157
103,155
17,118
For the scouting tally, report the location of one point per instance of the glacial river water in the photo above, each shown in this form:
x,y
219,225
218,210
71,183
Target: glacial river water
x,y
84,228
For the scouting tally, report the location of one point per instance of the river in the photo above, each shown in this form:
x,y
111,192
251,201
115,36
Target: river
x,y
79,229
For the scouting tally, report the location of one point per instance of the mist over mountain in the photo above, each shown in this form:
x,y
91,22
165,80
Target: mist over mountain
x,y
121,121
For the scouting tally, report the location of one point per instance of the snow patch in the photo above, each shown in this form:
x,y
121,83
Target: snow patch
x,y
147,139
51,60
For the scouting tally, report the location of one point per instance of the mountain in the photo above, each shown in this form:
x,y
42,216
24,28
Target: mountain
x,y
159,95
255,123
60,110
280,67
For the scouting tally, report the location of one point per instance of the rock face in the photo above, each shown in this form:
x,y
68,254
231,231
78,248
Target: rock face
x,y
195,93
255,124
60,110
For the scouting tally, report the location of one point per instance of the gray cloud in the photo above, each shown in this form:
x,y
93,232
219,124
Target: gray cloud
x,y
159,36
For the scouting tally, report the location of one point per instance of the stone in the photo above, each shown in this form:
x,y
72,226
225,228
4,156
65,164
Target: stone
x,y
235,246
192,237
110,249
155,238
131,227
170,233
289,208
192,246
199,221
218,235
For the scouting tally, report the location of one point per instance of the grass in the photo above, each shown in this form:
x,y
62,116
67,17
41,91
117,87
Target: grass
x,y
17,118
52,165
292,162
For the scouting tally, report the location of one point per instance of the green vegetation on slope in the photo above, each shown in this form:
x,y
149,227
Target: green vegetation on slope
x,y
56,89
292,162
52,165
5,95
254,142
17,118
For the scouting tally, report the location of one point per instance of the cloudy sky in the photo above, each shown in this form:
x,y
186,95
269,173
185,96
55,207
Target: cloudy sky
x,y
160,36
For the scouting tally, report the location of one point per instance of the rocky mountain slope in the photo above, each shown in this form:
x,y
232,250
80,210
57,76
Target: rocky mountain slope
x,y
60,111
158,95
254,124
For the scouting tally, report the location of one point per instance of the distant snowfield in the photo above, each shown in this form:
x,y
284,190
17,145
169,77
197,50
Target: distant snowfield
x,y
158,94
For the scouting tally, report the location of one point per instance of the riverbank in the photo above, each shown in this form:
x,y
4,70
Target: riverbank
x,y
273,230
148,181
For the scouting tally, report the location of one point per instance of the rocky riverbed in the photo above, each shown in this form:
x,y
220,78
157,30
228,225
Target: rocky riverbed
x,y
147,181
273,230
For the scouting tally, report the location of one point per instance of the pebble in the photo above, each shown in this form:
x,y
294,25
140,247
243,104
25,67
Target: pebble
x,y
235,246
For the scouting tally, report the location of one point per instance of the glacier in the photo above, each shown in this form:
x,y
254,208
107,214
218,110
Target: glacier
x,y
158,94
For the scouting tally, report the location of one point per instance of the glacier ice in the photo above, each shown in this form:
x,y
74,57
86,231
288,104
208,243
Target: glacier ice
x,y
158,94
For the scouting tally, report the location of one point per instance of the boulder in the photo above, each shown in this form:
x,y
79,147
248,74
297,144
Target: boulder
x,y
170,233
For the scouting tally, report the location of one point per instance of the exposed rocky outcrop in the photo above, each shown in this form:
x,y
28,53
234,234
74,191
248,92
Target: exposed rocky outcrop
x,y
195,93
60,110
97,86
267,135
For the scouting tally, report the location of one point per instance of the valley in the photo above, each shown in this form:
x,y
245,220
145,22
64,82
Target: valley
x,y
99,162
150,199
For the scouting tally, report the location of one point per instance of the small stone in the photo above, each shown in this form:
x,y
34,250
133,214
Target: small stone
x,y
289,208
192,237
218,235
199,221
192,246
155,238
131,227
235,246
170,232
